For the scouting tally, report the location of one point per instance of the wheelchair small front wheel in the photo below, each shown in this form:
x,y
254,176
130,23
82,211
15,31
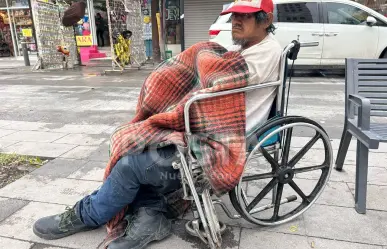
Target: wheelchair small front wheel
x,y
291,169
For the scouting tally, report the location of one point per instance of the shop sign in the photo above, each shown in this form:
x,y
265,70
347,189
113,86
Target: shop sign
x,y
85,40
173,13
27,32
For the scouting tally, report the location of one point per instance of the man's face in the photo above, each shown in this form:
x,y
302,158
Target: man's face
x,y
245,29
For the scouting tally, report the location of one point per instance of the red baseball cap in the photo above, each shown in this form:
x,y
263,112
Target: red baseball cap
x,y
250,6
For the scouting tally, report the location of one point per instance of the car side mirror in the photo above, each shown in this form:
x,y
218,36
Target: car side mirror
x,y
371,21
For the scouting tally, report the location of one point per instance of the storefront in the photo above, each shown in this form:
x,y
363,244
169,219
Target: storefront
x,y
199,15
16,25
173,27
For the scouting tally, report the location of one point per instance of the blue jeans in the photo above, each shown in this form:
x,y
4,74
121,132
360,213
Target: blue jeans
x,y
148,48
139,180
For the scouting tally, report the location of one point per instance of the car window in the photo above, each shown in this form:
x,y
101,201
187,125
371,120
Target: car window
x,y
223,19
380,23
296,12
338,13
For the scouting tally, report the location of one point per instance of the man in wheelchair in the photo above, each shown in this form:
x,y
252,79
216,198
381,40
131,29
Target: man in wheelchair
x,y
139,182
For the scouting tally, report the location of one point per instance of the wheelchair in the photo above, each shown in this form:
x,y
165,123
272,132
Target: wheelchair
x,y
269,145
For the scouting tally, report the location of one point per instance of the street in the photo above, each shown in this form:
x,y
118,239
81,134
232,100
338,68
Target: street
x,y
110,100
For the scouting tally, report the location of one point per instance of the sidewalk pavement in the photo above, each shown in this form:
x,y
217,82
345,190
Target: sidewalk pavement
x,y
80,153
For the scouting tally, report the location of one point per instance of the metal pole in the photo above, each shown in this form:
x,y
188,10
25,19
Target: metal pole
x,y
25,54
33,28
182,37
90,6
12,31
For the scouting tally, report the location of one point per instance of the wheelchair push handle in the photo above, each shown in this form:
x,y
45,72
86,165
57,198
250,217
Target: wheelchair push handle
x,y
295,48
309,44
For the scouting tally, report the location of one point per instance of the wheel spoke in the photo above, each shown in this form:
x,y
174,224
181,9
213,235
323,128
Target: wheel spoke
x,y
308,169
270,159
299,191
277,203
262,194
303,151
258,177
286,148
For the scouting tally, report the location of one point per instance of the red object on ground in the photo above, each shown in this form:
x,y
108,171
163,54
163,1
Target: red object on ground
x,y
91,52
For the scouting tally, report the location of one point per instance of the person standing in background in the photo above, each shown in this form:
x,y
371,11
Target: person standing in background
x,y
147,36
100,25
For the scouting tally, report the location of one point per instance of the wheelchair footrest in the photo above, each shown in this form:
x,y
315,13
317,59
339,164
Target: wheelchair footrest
x,y
193,227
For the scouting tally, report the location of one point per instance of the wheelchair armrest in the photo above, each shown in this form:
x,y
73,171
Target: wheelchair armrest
x,y
201,96
364,106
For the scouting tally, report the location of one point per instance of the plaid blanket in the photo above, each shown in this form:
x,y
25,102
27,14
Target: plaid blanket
x,y
217,124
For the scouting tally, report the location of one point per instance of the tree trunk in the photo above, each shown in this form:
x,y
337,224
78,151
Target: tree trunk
x,y
155,31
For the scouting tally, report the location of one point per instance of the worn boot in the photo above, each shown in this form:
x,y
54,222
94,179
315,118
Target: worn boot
x,y
145,226
60,225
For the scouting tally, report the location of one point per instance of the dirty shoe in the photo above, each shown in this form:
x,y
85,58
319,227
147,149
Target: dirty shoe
x,y
145,226
60,225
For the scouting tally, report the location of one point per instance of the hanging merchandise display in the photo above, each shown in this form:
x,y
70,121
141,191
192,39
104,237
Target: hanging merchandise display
x,y
147,36
6,48
17,14
125,22
68,41
134,23
52,37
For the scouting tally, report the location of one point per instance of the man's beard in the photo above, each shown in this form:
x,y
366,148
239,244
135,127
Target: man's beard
x,y
241,42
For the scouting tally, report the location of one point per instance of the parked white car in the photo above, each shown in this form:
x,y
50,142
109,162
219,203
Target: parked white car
x,y
343,28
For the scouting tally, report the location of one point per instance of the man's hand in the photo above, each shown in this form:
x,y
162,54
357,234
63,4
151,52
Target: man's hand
x,y
202,183
73,14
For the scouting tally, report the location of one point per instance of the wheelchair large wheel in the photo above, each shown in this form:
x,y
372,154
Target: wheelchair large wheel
x,y
273,195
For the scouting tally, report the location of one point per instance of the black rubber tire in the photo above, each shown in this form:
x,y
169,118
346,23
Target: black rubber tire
x,y
269,125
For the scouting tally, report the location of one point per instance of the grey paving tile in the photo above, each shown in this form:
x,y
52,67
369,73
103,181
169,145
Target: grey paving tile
x,y
24,125
81,139
181,239
101,154
268,240
320,243
4,144
315,157
34,136
59,167
376,175
39,149
92,170
110,130
19,226
60,190
6,132
10,206
80,152
375,159
4,123
340,223
376,196
295,226
81,129
299,142
45,246
14,244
